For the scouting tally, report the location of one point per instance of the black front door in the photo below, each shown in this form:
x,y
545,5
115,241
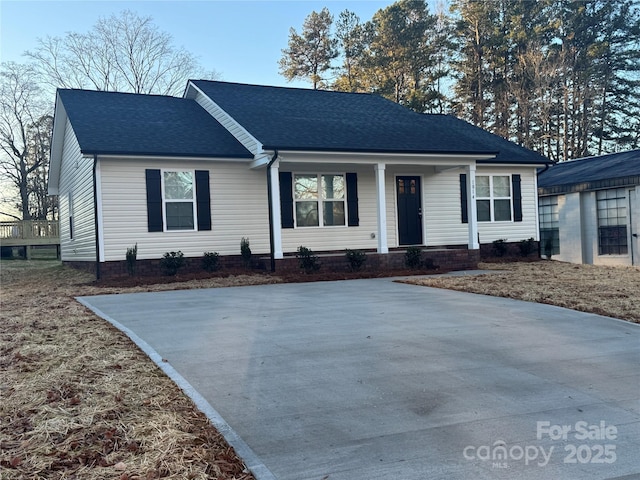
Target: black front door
x,y
409,210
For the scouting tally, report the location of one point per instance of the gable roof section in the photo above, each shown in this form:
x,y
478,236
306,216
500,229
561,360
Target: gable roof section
x,y
591,173
317,120
110,123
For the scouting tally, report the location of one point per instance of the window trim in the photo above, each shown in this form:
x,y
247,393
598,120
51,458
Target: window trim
x,y
549,228
617,226
492,198
193,201
319,199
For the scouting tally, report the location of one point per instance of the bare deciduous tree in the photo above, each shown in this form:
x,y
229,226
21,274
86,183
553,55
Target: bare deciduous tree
x,y
25,132
123,52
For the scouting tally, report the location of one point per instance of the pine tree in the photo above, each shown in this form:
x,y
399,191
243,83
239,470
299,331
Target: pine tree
x,y
351,36
310,53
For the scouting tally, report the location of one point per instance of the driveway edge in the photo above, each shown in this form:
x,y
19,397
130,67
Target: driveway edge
x,y
250,459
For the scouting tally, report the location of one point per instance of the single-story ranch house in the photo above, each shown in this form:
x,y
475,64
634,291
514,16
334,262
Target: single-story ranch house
x,y
283,167
590,209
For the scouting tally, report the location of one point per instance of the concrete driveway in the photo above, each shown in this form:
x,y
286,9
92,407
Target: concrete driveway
x,y
371,379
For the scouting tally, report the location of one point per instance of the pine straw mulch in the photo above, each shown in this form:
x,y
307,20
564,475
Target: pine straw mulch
x,y
79,400
609,291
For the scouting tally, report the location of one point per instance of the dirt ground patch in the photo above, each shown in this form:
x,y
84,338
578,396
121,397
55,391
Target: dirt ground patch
x,y
80,400
610,291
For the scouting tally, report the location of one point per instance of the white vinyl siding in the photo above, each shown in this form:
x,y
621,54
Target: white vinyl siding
x,y
238,209
442,209
442,222
514,231
76,183
337,237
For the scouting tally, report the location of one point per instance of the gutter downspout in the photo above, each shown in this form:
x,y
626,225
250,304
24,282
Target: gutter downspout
x,y
272,247
95,215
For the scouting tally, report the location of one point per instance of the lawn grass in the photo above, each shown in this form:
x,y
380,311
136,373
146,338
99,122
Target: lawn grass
x,y
609,291
80,400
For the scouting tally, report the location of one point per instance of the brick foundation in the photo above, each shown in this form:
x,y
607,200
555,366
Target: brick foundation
x,y
442,258
487,250
446,258
153,267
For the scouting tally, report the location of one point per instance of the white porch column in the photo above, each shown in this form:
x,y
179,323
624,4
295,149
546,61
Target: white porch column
x,y
383,247
275,209
472,214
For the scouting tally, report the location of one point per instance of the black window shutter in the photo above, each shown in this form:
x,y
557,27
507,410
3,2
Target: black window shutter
x,y
154,200
286,199
203,200
463,198
517,198
352,199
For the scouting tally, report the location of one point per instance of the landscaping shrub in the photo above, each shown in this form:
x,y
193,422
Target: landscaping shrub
x,y
307,260
500,247
171,262
211,261
356,259
413,257
245,251
131,256
527,247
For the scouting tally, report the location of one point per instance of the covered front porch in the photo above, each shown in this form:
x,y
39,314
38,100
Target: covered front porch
x,y
383,202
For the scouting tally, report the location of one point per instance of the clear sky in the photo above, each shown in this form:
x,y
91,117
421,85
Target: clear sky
x,y
242,40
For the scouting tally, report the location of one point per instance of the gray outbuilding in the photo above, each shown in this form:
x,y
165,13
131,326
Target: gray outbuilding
x,y
589,209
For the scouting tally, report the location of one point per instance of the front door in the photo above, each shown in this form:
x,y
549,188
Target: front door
x,y
409,210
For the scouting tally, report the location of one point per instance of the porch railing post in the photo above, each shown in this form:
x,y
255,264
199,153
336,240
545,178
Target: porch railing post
x,y
383,246
474,243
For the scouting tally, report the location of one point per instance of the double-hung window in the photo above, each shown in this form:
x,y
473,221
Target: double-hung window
x,y
493,198
319,200
612,221
179,200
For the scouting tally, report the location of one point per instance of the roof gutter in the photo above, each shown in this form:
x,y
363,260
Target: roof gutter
x,y
272,247
95,215
546,167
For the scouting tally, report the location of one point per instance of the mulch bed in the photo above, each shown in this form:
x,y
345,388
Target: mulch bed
x,y
268,277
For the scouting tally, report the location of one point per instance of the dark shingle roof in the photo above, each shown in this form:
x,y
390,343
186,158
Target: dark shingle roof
x,y
303,119
132,124
590,173
509,152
